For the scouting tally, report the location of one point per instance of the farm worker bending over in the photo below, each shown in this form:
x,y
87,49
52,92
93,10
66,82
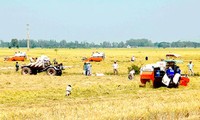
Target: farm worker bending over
x,y
115,67
68,90
190,68
170,73
131,74
133,58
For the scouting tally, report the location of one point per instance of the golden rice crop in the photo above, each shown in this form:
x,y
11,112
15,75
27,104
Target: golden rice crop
x,y
107,97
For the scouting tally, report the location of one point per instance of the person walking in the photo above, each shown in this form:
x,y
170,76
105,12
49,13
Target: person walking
x,y
115,68
190,68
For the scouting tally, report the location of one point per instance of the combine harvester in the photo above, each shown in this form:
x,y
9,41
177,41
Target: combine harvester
x,y
42,64
157,73
96,57
20,56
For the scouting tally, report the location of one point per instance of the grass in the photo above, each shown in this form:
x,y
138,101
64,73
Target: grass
x,y
108,97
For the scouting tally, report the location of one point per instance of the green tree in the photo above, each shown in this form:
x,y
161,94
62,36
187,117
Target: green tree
x,y
121,45
139,43
14,43
164,44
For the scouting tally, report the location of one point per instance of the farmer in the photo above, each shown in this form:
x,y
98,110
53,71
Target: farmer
x,y
115,67
132,58
146,58
190,68
55,62
60,66
177,70
84,68
171,73
17,66
68,90
131,74
88,69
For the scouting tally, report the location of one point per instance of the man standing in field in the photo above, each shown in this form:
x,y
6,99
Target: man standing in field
x,y
115,67
190,68
88,69
17,66
84,68
146,58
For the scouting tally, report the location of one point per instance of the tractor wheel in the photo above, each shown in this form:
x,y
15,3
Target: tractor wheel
x,y
51,71
26,71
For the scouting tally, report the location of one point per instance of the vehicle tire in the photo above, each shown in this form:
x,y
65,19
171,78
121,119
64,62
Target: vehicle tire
x,y
26,71
51,71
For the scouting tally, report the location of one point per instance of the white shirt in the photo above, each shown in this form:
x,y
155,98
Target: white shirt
x,y
133,58
115,65
69,88
132,72
190,66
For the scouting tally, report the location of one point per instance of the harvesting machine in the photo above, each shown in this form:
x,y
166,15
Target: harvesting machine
x,y
157,73
19,56
96,57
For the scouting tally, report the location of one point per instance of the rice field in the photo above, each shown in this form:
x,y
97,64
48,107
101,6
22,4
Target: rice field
x,y
96,97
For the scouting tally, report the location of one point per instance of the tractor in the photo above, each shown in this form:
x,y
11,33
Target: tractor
x,y
40,65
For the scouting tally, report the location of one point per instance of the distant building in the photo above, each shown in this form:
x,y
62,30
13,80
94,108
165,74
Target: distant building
x,y
128,46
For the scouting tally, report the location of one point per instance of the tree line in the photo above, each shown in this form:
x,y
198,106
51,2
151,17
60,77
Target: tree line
x,y
15,43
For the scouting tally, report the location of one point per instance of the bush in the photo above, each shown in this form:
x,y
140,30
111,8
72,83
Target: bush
x,y
134,67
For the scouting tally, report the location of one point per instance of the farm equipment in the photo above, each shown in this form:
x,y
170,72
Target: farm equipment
x,y
158,75
42,64
20,56
96,57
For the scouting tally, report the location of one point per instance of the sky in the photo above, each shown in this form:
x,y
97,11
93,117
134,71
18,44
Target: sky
x,y
100,20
